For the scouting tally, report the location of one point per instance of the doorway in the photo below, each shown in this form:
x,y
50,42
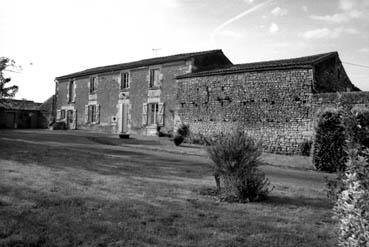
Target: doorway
x,y
124,119
70,119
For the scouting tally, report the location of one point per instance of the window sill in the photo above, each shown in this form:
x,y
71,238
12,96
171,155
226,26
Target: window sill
x,y
124,89
154,87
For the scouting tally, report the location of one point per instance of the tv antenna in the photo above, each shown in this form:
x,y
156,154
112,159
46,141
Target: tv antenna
x,y
155,51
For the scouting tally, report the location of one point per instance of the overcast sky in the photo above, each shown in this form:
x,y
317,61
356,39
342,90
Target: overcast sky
x,y
51,38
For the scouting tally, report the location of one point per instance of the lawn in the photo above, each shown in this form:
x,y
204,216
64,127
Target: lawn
x,y
60,189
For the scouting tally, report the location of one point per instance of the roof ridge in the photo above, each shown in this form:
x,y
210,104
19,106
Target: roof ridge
x,y
153,58
145,60
326,54
296,62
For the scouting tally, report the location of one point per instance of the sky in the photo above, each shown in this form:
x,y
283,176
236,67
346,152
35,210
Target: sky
x,y
50,38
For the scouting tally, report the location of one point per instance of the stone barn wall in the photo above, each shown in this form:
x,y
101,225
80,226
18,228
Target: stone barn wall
x,y
273,106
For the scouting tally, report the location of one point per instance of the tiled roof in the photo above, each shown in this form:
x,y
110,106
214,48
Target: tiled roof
x,y
300,62
140,63
13,104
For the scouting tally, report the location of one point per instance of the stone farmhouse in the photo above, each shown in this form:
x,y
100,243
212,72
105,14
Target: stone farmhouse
x,y
275,101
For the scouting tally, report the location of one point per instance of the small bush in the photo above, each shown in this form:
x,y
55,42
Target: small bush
x,y
235,162
182,133
352,207
184,130
330,141
178,140
305,147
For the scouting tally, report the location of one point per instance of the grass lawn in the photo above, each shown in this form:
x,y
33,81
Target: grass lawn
x,y
69,190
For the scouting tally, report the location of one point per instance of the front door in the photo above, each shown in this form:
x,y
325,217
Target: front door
x,y
70,119
125,110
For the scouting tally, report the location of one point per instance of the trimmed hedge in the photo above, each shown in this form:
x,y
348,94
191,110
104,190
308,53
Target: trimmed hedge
x,y
330,141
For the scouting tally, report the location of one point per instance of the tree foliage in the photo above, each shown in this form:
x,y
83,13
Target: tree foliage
x,y
6,91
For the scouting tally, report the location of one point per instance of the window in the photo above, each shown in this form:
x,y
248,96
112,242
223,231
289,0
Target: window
x,y
62,114
154,78
93,84
71,92
91,113
153,114
124,80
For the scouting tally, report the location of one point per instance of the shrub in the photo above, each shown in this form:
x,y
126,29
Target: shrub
x,y
178,140
182,132
360,129
235,162
334,186
305,147
352,207
330,141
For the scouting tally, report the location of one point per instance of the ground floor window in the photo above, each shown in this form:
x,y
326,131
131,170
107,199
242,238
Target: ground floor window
x,y
62,114
92,113
153,114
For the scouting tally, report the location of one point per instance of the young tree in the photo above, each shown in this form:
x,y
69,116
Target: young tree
x,y
5,90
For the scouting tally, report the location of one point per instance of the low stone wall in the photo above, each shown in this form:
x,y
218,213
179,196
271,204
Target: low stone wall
x,y
347,100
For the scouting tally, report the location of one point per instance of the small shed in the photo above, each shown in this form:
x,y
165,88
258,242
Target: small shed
x,y
19,114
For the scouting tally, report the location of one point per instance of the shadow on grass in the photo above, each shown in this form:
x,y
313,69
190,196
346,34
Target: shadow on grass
x,y
275,200
318,203
117,142
105,161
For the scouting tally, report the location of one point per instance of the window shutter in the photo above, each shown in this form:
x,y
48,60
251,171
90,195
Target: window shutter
x,y
74,91
98,113
75,119
161,114
148,78
58,114
144,114
129,79
68,93
89,85
87,114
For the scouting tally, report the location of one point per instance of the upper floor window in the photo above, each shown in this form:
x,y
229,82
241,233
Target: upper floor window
x,y
93,84
154,78
124,80
71,93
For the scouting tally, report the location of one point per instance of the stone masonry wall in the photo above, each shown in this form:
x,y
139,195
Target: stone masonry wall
x,y
347,100
272,106
108,95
